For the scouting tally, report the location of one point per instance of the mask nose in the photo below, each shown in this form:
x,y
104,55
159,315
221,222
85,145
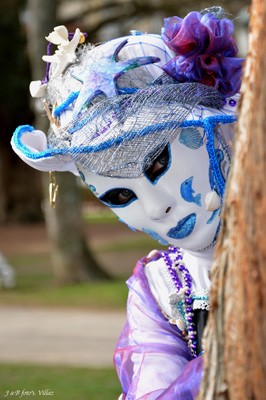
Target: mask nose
x,y
157,213
158,210
156,203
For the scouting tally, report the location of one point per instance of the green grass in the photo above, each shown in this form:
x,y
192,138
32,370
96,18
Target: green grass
x,y
99,215
139,243
37,289
102,217
36,283
35,286
66,383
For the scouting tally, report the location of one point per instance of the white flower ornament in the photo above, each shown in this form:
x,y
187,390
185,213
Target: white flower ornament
x,y
66,52
37,88
64,55
59,36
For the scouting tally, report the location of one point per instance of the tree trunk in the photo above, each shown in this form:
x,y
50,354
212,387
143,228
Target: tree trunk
x,y
19,186
72,260
235,351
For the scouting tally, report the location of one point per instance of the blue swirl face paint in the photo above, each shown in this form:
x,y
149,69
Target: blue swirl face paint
x,y
214,213
82,177
183,228
187,192
92,188
219,155
123,222
155,236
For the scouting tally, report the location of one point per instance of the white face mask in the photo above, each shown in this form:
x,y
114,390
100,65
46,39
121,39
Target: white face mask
x,y
168,201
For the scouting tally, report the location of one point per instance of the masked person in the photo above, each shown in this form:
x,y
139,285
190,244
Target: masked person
x,y
147,121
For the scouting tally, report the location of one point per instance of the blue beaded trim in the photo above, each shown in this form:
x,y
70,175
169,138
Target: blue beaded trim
x,y
180,307
206,298
60,109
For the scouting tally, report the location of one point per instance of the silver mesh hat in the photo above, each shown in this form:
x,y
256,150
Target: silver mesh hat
x,y
114,136
114,107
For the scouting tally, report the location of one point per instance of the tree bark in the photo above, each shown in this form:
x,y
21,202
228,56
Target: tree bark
x,y
73,261
19,186
235,351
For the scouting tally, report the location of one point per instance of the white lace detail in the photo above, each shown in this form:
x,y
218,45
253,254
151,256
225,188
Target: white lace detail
x,y
201,300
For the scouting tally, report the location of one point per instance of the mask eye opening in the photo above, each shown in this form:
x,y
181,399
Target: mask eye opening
x,y
159,165
119,197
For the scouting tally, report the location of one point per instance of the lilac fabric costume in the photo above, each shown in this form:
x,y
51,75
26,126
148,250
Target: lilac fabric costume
x,y
151,356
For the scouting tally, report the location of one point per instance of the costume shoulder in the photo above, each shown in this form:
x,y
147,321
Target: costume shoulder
x,y
148,344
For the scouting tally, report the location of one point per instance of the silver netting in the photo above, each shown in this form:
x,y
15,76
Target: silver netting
x,y
122,136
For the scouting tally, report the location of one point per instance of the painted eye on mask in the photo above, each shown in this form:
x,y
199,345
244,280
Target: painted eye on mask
x,y
159,165
118,197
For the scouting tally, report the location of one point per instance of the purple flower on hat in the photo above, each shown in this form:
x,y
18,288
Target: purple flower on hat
x,y
205,51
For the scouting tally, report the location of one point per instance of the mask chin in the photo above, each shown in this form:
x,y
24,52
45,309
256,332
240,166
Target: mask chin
x,y
201,240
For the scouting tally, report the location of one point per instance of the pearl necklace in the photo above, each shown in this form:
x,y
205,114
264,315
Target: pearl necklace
x,y
182,301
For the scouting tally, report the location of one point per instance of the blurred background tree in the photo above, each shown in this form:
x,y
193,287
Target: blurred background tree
x,y
23,26
20,196
72,259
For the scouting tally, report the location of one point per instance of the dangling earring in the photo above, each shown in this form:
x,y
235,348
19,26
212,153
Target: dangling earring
x,y
53,189
212,201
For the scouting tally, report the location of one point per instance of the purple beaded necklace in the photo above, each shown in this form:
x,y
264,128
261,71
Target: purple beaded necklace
x,y
183,299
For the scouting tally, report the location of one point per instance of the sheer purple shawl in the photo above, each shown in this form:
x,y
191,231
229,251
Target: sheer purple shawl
x,y
151,356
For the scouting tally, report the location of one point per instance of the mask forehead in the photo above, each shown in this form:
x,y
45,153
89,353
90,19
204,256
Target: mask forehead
x,y
100,185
